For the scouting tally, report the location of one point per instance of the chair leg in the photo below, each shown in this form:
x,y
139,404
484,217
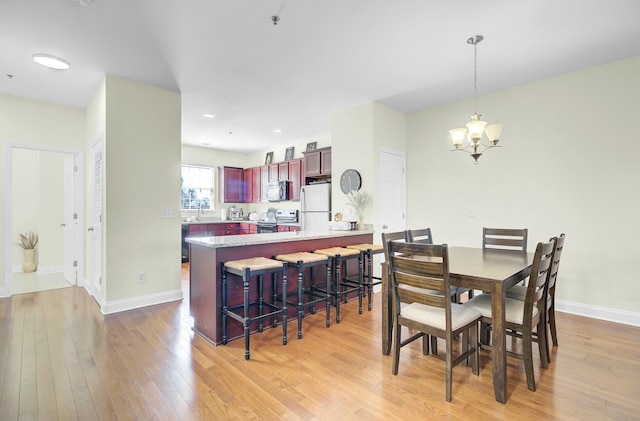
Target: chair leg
x,y
425,344
284,304
246,321
328,289
449,359
475,358
396,348
527,349
300,299
542,342
434,345
552,323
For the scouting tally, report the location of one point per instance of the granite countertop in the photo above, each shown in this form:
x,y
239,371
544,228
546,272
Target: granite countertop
x,y
266,238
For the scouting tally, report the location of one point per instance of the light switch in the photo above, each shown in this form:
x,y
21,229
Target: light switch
x,y
166,212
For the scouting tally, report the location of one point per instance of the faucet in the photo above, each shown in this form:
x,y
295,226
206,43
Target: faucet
x,y
199,211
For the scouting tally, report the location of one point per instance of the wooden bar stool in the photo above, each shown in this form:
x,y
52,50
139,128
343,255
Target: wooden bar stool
x,y
368,280
343,284
246,269
301,261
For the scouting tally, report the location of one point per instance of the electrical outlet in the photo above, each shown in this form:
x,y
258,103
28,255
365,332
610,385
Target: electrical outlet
x,y
142,277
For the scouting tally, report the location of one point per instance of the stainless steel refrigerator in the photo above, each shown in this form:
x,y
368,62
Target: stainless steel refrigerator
x,y
315,207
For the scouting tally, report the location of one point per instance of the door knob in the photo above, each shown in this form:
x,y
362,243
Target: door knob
x,y
90,229
63,225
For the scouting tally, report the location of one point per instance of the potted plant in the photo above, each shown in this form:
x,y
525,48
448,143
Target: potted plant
x,y
359,200
29,241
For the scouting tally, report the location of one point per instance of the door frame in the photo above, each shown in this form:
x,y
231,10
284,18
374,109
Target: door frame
x,y
78,199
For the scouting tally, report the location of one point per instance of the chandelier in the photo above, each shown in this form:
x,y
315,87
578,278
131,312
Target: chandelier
x,y
473,133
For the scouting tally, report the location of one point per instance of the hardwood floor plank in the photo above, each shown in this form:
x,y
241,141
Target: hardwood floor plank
x,y
57,348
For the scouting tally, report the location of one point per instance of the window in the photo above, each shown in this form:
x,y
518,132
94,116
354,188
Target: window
x,y
196,188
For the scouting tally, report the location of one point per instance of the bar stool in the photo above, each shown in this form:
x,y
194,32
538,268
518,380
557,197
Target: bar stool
x,y
248,268
301,261
368,280
343,284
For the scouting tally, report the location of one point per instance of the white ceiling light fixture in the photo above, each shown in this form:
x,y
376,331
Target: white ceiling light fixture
x,y
475,127
51,62
208,116
277,131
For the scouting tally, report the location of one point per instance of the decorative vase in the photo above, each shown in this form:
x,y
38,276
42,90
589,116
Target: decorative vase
x,y
29,264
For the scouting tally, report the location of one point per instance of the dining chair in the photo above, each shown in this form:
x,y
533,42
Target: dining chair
x,y
420,301
505,238
524,316
424,236
519,292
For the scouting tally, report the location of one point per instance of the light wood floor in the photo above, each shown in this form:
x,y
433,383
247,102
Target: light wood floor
x,y
61,359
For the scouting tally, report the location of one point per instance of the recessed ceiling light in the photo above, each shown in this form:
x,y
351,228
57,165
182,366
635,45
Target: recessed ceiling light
x,y
206,143
51,62
208,115
277,131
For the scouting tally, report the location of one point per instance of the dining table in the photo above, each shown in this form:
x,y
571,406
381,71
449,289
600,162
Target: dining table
x,y
489,270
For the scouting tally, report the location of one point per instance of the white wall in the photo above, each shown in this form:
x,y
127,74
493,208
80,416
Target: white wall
x,y
34,123
570,162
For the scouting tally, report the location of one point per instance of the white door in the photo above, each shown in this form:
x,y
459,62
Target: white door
x,y
393,186
95,221
70,221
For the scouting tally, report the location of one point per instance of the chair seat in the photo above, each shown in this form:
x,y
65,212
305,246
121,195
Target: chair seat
x,y
253,263
375,248
305,257
341,251
518,292
461,315
514,309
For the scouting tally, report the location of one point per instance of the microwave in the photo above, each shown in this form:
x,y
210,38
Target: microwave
x,y
277,191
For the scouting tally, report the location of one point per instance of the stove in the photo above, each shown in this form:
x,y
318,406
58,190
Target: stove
x,y
287,215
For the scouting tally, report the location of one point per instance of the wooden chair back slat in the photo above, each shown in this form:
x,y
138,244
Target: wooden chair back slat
x,y
514,239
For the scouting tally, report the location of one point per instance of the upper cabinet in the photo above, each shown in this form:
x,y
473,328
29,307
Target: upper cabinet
x,y
317,163
249,185
231,187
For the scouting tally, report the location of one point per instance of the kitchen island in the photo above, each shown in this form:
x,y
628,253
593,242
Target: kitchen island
x,y
207,253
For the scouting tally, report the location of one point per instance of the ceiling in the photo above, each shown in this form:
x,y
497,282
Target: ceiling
x,y
227,58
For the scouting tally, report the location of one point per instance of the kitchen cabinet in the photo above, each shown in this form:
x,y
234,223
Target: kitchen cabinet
x,y
252,185
317,163
295,178
264,182
230,184
273,172
283,171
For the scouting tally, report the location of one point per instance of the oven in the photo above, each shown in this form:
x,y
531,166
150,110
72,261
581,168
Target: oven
x,y
264,227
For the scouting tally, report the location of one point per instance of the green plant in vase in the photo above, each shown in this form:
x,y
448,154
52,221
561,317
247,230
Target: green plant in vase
x,y
28,242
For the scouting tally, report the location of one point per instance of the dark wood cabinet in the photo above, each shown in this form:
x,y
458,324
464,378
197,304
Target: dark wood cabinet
x,y
264,182
273,172
295,179
317,163
231,184
252,185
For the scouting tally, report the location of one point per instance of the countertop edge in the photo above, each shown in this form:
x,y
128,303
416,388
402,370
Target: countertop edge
x,y
269,238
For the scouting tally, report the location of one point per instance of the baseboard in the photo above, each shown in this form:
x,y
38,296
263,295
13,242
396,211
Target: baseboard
x,y
138,302
596,312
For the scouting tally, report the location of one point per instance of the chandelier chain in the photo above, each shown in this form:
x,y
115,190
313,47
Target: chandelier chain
x,y
475,78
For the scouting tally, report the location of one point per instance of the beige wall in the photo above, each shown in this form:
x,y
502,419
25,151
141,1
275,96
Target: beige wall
x,y
141,177
570,162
